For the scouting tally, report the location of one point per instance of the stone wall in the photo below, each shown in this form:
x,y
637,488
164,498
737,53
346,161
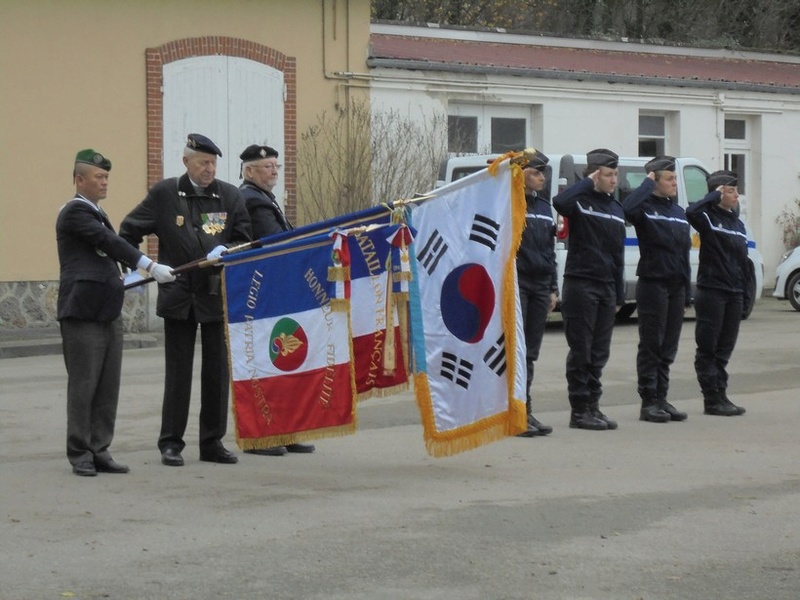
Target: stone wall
x,y
32,304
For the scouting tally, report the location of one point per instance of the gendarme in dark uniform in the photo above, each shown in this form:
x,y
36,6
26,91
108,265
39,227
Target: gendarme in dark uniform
x,y
90,297
194,216
663,289
723,286
594,283
536,274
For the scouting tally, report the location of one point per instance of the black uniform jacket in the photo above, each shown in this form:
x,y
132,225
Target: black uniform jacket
x,y
536,257
664,235
724,264
266,216
596,235
91,288
189,225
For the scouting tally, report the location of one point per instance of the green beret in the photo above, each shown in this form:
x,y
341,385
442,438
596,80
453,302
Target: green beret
x,y
92,157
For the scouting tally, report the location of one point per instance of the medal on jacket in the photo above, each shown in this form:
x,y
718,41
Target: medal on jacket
x,y
179,220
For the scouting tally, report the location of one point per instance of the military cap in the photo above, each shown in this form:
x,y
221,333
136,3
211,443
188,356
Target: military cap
x,y
92,157
256,152
602,157
535,159
660,163
718,178
201,143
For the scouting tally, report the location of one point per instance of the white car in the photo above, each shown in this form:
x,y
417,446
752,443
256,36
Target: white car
x,y
787,284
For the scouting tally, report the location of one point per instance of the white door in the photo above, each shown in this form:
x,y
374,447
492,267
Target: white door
x,y
234,101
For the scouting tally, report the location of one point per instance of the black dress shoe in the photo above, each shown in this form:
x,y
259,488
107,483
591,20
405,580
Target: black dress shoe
x,y
84,469
109,465
273,451
218,454
300,448
171,457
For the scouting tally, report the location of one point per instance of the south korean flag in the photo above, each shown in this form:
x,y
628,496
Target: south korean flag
x,y
467,236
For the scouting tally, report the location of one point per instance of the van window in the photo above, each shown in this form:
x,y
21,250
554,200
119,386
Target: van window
x,y
696,187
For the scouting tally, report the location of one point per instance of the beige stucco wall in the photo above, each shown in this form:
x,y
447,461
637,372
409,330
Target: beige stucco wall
x,y
72,75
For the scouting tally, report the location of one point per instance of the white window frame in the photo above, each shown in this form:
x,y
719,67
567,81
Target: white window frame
x,y
485,113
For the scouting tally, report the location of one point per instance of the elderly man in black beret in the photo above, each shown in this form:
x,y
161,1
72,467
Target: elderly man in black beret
x,y
663,290
260,171
90,297
195,216
723,284
594,286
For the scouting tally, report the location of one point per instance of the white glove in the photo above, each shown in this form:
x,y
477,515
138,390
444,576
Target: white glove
x,y
216,252
162,273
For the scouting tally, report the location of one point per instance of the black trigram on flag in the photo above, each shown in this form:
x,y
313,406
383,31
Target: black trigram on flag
x,y
457,370
432,251
484,231
495,357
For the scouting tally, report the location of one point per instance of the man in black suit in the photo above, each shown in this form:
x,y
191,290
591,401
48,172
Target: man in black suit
x,y
90,300
195,216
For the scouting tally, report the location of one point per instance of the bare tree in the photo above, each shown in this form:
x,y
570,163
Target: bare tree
x,y
354,158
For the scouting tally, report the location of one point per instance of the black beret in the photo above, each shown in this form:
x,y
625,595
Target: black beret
x,y
660,163
602,157
535,159
92,157
718,178
201,143
256,152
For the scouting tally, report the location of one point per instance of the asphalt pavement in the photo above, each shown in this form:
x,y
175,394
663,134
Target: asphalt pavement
x,y
708,508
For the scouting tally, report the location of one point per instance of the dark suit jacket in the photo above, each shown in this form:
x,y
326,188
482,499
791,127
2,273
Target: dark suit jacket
x,y
189,225
266,216
91,288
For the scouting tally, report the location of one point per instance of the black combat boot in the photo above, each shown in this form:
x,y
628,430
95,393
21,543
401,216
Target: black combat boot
x,y
532,430
594,409
543,429
535,427
674,413
581,416
715,405
651,410
739,409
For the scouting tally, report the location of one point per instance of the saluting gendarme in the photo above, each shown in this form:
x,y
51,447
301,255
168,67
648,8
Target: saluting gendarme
x,y
594,286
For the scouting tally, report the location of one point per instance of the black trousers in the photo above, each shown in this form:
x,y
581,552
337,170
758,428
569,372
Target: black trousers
x,y
93,357
179,343
719,314
534,298
660,305
588,308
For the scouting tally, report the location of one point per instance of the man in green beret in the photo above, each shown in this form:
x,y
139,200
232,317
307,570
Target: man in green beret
x,y
90,299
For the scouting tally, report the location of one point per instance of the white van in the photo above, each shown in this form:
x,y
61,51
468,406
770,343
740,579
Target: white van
x,y
565,169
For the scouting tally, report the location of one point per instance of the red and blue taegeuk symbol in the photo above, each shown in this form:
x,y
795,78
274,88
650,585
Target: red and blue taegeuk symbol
x,y
288,345
467,302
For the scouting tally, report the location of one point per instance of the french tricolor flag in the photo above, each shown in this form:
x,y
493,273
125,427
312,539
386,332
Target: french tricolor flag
x,y
289,344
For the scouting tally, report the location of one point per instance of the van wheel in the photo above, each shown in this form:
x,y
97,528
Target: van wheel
x,y
793,291
625,312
